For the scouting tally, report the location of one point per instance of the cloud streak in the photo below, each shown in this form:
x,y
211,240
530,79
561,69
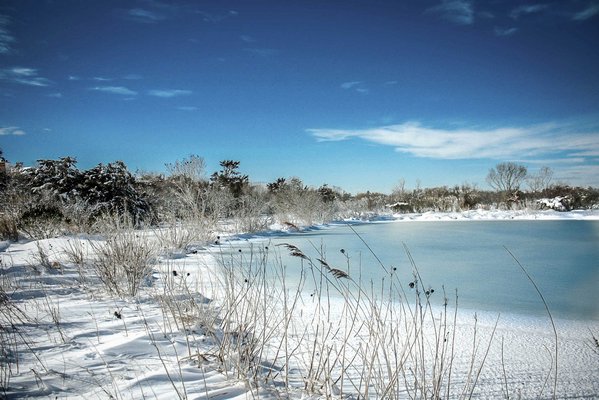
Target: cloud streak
x,y
144,16
527,10
169,93
261,51
357,86
23,76
472,143
505,31
152,12
587,13
6,38
459,12
215,18
121,90
11,131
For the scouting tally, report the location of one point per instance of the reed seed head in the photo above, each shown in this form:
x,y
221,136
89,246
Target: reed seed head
x,y
337,273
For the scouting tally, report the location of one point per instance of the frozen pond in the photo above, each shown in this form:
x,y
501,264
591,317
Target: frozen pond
x,y
562,256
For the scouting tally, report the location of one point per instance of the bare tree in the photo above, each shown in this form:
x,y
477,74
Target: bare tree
x,y
506,176
399,191
541,180
192,168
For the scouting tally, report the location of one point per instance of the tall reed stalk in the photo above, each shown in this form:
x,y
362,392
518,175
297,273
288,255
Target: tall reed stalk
x,y
331,334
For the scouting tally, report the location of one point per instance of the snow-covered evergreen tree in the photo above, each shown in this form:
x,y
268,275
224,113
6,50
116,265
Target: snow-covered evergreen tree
x,y
57,178
112,188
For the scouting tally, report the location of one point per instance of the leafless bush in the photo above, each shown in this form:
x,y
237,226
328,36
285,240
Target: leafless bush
x,y
123,260
179,235
294,202
12,202
8,227
11,337
251,213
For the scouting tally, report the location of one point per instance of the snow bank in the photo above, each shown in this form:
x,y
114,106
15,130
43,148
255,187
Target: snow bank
x,y
492,215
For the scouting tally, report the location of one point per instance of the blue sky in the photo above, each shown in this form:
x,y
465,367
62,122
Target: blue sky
x,y
356,94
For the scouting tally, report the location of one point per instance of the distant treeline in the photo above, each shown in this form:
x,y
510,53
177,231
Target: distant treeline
x,y
55,197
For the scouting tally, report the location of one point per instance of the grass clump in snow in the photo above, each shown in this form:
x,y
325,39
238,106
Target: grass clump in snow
x,y
123,261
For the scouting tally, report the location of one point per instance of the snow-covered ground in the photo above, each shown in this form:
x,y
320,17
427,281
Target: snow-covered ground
x,y
204,325
490,215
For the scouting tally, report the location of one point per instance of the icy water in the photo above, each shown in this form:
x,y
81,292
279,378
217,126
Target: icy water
x,y
562,257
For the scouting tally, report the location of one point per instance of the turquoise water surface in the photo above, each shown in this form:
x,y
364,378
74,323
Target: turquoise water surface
x,y
561,256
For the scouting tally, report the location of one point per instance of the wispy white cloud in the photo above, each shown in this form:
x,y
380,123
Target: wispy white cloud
x,y
56,95
6,38
589,12
187,108
357,86
582,174
145,16
555,161
247,39
349,85
24,76
12,131
169,93
128,77
261,51
214,18
474,143
505,31
459,12
527,9
153,11
115,90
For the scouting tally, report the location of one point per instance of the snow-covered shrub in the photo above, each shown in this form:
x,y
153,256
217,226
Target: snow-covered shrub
x,y
572,197
56,178
557,203
112,188
55,197
25,212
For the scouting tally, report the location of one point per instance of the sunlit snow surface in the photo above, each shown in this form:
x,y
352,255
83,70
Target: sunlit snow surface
x,y
73,340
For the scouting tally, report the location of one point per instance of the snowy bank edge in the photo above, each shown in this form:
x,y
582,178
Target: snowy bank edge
x,y
499,215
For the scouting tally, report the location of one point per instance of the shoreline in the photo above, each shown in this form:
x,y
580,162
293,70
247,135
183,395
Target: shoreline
x,y
280,229
500,215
